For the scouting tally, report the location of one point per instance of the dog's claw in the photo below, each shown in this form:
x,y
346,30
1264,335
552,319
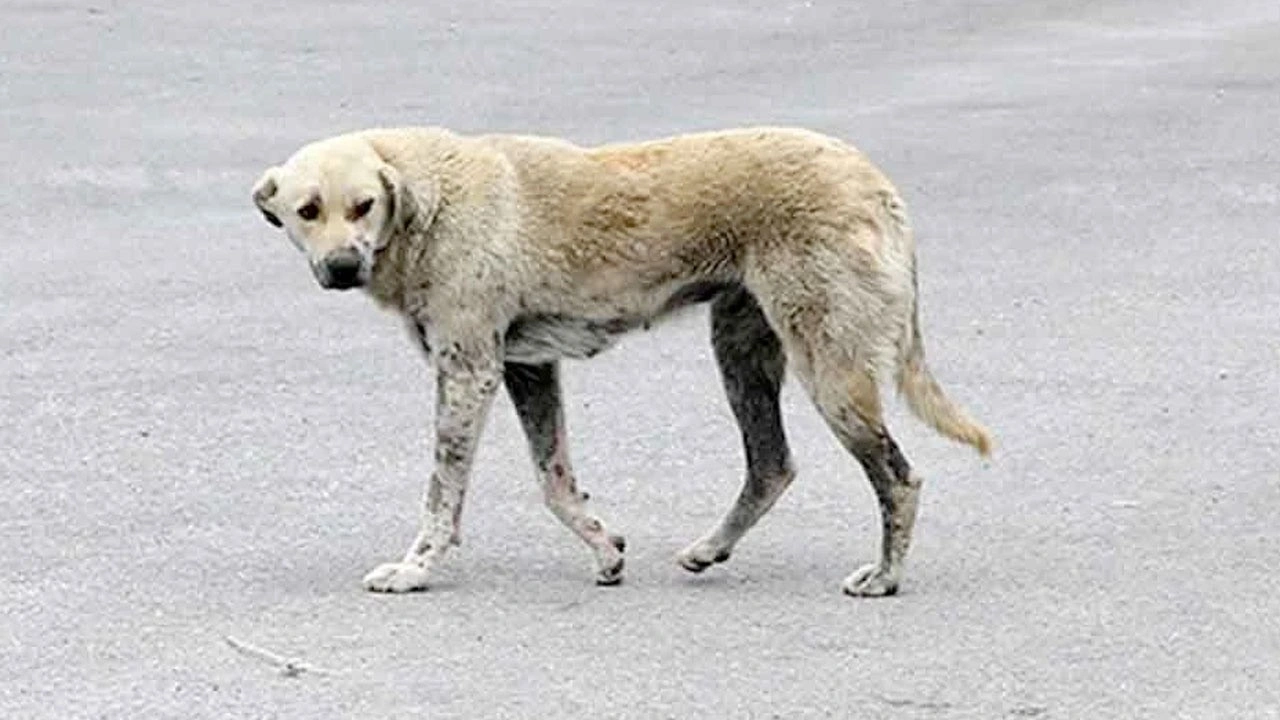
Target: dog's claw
x,y
692,565
611,575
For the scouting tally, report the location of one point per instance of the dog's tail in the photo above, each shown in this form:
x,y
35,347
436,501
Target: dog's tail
x,y
924,395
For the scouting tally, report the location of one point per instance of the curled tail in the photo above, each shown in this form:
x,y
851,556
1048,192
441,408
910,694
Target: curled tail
x,y
925,397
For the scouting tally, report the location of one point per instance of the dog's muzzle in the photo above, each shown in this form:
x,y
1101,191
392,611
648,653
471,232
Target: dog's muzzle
x,y
340,270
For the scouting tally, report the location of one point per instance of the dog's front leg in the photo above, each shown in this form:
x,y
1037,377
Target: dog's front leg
x,y
468,375
535,392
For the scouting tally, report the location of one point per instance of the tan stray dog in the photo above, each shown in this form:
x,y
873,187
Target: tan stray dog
x,y
507,253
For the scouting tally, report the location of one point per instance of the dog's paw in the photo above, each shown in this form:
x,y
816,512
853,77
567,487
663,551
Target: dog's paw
x,y
396,577
870,581
609,569
701,555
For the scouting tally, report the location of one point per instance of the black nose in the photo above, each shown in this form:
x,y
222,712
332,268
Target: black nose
x,y
342,270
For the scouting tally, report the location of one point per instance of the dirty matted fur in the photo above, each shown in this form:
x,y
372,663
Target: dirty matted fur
x,y
507,253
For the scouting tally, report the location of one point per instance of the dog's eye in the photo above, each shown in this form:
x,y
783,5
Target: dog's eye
x,y
310,211
361,209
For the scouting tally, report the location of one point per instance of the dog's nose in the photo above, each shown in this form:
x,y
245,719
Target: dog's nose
x,y
342,270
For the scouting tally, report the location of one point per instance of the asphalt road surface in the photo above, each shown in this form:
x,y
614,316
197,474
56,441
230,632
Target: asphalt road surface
x,y
197,442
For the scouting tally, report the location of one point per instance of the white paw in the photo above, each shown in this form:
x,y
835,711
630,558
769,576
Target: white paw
x,y
702,555
870,581
609,565
397,577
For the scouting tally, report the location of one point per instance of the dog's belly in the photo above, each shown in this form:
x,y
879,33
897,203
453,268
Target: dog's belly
x,y
535,339
542,338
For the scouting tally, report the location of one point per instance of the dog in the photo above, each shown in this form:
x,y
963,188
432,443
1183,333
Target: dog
x,y
506,253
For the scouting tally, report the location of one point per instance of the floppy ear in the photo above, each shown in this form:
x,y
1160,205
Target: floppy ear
x,y
263,191
406,208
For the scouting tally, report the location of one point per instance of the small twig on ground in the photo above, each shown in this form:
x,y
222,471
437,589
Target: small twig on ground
x,y
289,667
582,599
916,704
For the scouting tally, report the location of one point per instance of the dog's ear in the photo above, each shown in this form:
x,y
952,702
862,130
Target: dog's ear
x,y
263,191
407,207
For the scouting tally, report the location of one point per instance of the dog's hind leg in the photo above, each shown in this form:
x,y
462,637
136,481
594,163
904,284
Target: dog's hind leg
x,y
535,392
898,490
840,296
849,401
752,367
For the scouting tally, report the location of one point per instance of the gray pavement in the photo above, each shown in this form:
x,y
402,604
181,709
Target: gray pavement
x,y
196,441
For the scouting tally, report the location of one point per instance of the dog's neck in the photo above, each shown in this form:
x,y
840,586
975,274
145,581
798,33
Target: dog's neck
x,y
387,282
398,269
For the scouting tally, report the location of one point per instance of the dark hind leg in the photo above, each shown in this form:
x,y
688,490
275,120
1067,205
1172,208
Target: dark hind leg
x,y
752,367
898,492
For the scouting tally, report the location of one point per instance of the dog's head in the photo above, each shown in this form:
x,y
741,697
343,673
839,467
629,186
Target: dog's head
x,y
341,203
